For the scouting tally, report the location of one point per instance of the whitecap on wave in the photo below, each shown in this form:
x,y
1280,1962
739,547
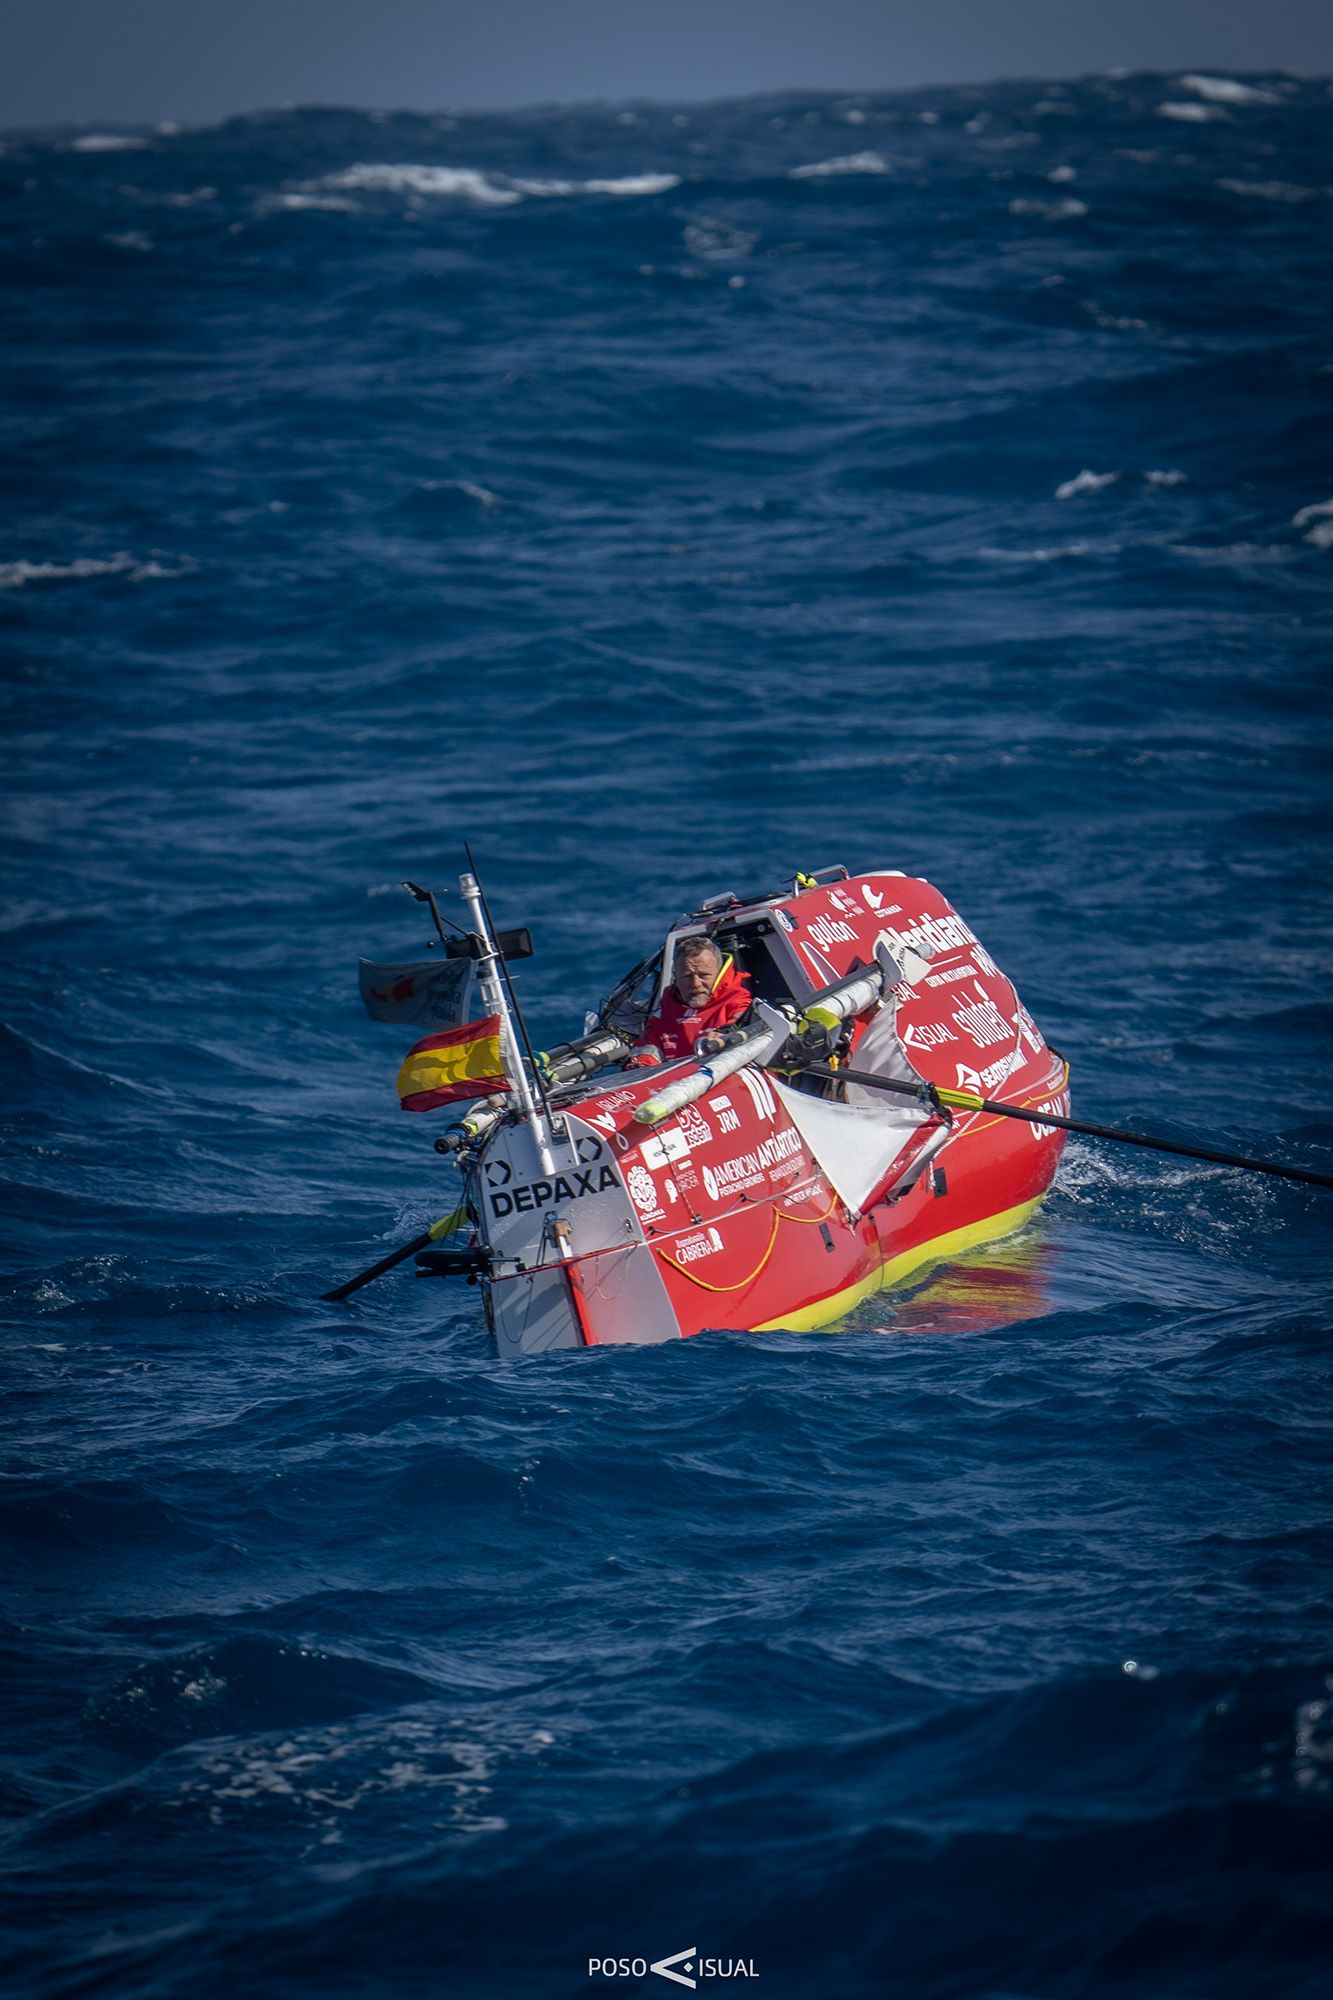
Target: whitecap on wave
x,y
1317,523
1269,190
1232,552
329,204
1049,211
107,142
471,184
1085,482
1226,90
1191,114
849,163
1065,550
14,575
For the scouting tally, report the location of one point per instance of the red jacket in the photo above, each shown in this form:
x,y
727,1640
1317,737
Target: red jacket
x,y
675,1029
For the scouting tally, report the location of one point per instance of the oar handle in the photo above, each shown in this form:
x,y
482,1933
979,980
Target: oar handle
x,y
965,1100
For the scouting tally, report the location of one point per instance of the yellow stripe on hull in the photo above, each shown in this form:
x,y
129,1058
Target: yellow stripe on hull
x,y
894,1269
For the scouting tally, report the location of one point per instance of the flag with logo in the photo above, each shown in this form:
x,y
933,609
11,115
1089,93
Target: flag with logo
x,y
451,1067
429,993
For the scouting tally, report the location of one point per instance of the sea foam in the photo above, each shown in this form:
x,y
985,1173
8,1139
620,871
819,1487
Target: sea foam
x,y
14,575
1289,191
487,189
1085,482
1190,114
847,163
108,142
1226,90
1067,210
1317,522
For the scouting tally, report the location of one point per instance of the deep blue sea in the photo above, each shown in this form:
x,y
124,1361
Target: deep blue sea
x,y
664,500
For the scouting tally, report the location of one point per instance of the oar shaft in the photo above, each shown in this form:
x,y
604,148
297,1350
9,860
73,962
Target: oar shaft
x,y
421,1242
444,1227
964,1101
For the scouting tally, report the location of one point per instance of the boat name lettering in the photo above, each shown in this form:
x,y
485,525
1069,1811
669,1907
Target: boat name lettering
x,y
565,1187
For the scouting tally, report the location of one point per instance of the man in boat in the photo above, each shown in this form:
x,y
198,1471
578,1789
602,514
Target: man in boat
x,y
707,995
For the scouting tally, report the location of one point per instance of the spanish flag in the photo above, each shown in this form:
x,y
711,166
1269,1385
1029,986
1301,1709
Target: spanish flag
x,y
460,1063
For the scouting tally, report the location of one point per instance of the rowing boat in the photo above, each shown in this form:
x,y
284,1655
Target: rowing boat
x,y
817,1159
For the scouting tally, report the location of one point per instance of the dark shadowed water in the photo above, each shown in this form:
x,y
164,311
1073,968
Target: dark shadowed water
x,y
665,501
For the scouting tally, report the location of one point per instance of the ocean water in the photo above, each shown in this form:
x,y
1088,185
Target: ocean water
x,y
664,500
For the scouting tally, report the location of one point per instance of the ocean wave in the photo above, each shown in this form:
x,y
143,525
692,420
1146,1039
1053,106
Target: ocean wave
x,y
341,1656
1191,114
1061,552
138,569
1239,553
108,142
329,204
1288,191
1317,523
1227,90
848,163
1054,1803
1067,210
245,1684
489,190
1085,482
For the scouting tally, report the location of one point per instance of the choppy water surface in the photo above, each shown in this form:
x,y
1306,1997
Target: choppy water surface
x,y
666,501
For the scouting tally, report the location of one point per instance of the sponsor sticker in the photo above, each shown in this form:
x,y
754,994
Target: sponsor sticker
x,y
728,1118
662,1147
749,1169
572,1186
982,1020
1059,1106
694,1126
927,1035
705,1243
831,930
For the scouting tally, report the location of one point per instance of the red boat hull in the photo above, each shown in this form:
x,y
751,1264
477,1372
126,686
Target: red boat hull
x,y
768,1203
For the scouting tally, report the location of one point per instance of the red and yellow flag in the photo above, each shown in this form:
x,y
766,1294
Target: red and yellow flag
x,y
460,1063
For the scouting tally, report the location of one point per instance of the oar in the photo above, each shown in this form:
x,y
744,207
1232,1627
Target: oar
x,y
444,1227
964,1100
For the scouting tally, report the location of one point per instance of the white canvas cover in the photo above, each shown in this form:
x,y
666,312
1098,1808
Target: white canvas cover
x,y
855,1144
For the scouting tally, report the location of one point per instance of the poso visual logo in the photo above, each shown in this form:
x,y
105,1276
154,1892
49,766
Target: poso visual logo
x,y
683,1968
